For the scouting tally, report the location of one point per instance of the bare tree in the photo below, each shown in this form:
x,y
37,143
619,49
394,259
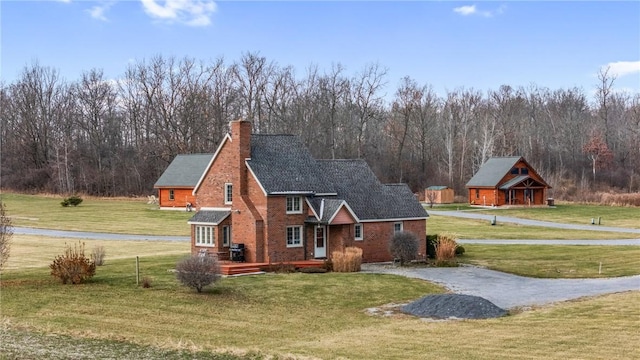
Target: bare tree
x,y
6,233
367,100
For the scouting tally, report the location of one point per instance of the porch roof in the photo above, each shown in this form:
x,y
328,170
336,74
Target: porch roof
x,y
213,217
517,180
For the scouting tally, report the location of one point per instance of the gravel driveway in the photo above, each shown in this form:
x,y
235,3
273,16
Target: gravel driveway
x,y
506,290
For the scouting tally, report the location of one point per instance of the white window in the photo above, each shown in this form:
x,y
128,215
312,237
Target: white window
x,y
294,236
226,235
172,195
357,231
294,205
228,193
397,227
204,236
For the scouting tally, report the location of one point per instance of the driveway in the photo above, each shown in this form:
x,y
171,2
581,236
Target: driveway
x,y
506,290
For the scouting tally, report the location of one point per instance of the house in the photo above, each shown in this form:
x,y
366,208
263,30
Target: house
x,y
269,196
507,181
438,195
175,185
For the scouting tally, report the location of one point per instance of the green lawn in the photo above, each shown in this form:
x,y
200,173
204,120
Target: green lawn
x,y
120,216
304,315
620,216
560,261
482,229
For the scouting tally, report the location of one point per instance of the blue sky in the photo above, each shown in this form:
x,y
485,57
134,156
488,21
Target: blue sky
x,y
471,44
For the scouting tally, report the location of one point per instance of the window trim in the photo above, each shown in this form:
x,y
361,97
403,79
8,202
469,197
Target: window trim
x,y
293,243
355,232
172,195
294,209
205,236
401,227
228,193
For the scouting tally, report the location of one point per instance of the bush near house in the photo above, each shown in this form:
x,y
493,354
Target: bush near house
x,y
403,246
446,250
349,260
198,271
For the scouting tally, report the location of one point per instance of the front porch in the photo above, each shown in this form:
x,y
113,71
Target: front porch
x,y
239,268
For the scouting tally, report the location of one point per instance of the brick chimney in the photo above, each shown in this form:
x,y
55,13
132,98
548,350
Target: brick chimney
x,y
241,140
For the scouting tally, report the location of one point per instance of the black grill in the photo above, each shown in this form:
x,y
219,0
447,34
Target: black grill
x,y
236,252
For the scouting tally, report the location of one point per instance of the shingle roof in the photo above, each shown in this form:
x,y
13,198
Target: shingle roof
x,y
437,187
492,171
516,180
184,170
209,216
368,198
283,164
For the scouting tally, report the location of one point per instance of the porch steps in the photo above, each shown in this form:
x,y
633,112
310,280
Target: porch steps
x,y
233,268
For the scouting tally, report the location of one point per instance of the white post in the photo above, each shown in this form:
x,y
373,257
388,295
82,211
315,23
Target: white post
x,y
600,268
137,270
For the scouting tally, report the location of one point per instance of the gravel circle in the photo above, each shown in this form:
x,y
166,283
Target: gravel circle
x,y
459,306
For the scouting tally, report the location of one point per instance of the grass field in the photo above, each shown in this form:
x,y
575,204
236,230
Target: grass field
x,y
618,216
482,229
558,261
293,315
120,216
306,315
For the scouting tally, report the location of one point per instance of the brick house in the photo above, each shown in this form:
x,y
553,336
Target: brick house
x,y
269,194
175,185
507,181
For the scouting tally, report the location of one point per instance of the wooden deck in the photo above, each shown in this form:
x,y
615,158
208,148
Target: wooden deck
x,y
240,268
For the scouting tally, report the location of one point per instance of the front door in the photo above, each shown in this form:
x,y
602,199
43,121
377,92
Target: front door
x,y
320,242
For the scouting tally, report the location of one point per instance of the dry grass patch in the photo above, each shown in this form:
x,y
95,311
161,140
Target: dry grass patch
x,y
38,251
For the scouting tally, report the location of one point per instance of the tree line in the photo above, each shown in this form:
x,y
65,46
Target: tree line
x,y
108,137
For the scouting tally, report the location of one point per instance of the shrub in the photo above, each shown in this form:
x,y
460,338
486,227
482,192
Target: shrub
x,y
313,270
327,265
146,282
73,266
6,232
72,200
445,249
280,268
198,271
460,250
403,246
98,254
432,240
348,260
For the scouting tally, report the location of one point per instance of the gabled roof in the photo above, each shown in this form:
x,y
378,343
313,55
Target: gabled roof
x,y
366,196
326,209
492,171
209,217
184,171
282,164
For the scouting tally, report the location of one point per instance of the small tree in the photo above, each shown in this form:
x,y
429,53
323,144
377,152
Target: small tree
x,y
73,266
6,232
403,246
598,152
198,271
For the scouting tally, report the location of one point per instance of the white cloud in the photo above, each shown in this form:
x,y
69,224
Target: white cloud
x,y
465,10
468,10
189,12
98,12
623,68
